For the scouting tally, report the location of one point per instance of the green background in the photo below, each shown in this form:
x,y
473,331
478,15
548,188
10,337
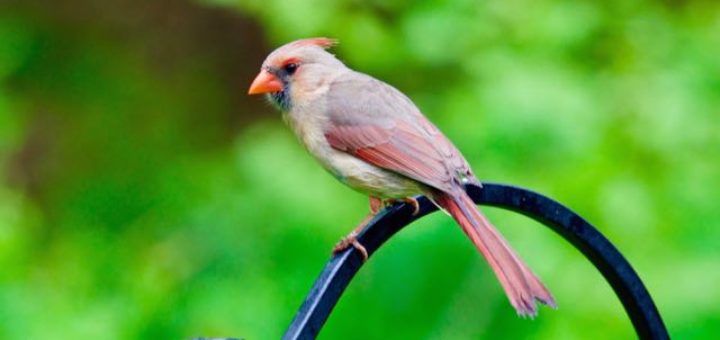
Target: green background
x,y
144,195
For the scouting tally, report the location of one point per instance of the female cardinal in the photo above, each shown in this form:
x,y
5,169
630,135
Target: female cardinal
x,y
374,139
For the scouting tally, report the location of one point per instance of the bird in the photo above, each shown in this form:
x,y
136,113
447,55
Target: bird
x,y
374,139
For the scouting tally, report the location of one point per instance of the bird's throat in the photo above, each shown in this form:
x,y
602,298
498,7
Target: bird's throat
x,y
281,99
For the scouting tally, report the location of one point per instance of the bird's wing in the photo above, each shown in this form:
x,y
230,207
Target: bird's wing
x,y
376,123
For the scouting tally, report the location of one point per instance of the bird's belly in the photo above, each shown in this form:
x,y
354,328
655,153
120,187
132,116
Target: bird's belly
x,y
354,172
369,179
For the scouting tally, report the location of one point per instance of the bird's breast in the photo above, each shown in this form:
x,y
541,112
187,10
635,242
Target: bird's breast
x,y
309,126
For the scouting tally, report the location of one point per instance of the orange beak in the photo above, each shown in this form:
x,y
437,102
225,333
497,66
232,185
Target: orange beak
x,y
265,82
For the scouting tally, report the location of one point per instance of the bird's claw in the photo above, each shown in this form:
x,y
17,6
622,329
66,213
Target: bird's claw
x,y
347,242
409,200
415,204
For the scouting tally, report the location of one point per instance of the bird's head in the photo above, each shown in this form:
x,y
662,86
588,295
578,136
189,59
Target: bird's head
x,y
296,67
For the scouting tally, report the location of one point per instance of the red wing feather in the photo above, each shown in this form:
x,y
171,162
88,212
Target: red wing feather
x,y
398,149
378,124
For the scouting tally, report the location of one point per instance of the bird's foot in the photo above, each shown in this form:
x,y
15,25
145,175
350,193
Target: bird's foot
x,y
347,242
409,200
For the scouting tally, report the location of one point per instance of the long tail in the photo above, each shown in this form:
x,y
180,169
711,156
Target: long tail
x,y
521,285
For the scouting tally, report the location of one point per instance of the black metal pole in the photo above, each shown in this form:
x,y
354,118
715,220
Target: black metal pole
x,y
604,256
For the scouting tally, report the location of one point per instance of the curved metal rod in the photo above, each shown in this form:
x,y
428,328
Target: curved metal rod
x,y
604,256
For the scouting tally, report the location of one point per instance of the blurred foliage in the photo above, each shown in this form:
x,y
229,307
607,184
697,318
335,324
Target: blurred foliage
x,y
143,195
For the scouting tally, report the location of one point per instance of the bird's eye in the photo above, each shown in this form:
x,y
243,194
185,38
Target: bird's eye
x,y
291,68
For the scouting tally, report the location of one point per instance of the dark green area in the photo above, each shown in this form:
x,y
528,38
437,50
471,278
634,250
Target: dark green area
x,y
144,195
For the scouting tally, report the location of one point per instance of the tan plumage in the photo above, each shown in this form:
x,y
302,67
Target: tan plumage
x,y
374,139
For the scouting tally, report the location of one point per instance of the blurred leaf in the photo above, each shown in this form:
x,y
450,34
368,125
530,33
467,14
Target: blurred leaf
x,y
143,195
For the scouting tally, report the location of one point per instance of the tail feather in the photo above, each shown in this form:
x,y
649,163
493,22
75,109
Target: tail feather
x,y
520,283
